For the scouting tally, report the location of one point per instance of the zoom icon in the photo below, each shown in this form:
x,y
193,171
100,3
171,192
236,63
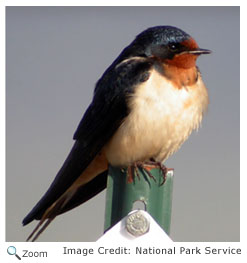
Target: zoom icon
x,y
12,251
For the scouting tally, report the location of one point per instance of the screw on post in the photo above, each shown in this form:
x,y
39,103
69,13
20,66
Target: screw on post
x,y
137,223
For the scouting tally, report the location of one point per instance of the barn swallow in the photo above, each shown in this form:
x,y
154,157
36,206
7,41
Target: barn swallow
x,y
144,107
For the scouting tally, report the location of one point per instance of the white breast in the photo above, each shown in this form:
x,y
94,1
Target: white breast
x,y
160,120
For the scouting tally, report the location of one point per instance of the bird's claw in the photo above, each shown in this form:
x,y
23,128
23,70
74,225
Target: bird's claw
x,y
133,170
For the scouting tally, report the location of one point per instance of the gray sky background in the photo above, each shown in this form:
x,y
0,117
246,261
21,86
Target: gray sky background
x,y
55,55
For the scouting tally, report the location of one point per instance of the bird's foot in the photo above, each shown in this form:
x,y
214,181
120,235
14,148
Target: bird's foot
x,y
133,170
154,164
163,169
147,167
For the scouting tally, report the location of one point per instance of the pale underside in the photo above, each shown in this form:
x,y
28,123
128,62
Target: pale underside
x,y
161,118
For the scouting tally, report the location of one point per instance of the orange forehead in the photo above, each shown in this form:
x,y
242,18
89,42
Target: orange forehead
x,y
190,43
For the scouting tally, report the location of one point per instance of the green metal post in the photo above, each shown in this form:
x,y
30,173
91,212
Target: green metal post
x,y
121,195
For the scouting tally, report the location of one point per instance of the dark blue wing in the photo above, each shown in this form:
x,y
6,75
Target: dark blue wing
x,y
107,111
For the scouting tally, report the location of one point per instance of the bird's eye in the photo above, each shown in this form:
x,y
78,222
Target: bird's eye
x,y
173,46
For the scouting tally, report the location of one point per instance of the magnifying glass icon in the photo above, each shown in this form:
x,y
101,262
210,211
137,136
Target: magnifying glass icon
x,y
12,251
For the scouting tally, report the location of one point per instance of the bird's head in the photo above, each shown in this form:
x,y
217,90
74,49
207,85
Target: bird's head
x,y
169,44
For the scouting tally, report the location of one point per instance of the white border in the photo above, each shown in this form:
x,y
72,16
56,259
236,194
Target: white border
x,y
53,247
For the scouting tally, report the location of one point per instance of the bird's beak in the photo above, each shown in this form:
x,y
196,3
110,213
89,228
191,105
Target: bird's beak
x,y
199,51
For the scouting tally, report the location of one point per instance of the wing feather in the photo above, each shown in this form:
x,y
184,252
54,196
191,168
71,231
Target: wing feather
x,y
107,111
